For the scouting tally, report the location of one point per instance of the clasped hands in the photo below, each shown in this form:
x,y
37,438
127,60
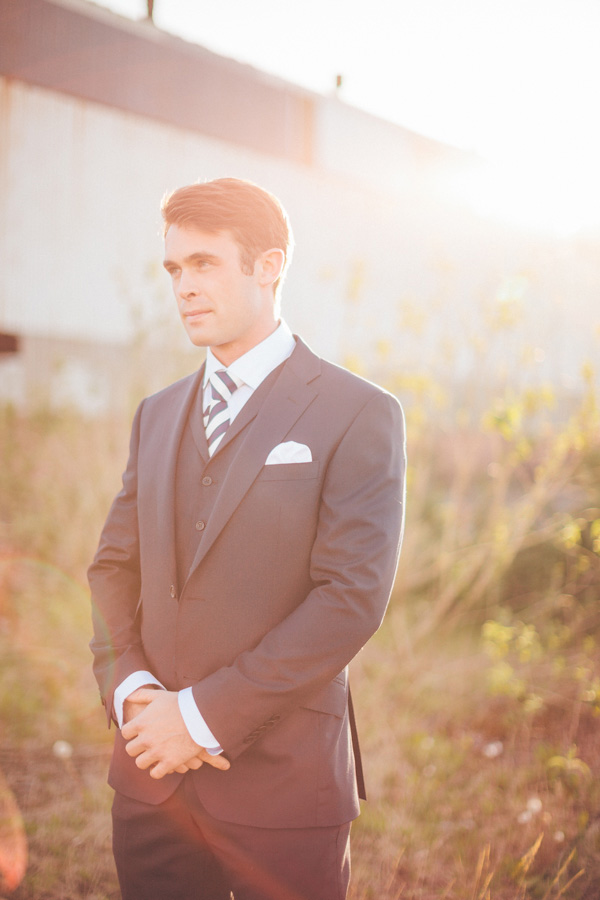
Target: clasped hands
x,y
157,737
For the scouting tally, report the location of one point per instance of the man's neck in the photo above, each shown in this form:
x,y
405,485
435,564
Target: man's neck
x,y
227,354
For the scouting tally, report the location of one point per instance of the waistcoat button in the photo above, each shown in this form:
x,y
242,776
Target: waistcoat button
x,y
200,526
172,591
207,480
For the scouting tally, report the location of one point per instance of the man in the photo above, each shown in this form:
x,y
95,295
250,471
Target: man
x,y
248,557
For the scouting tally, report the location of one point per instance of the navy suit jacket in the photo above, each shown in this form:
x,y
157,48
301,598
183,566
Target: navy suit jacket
x,y
291,577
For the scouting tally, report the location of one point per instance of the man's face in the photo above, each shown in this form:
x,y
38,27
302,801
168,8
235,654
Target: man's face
x,y
220,306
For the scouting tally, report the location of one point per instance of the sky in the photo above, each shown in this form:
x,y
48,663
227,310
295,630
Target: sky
x,y
517,81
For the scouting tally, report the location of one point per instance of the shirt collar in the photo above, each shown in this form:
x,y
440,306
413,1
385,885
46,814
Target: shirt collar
x,y
253,367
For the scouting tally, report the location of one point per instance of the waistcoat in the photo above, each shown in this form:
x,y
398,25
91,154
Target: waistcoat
x,y
199,477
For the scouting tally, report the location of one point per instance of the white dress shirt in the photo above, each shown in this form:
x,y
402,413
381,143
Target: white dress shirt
x,y
249,372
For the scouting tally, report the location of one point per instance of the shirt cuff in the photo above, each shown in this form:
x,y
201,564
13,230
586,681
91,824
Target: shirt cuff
x,y
128,686
195,724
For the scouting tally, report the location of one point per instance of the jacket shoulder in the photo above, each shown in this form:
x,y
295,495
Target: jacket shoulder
x,y
171,393
335,379
349,381
345,391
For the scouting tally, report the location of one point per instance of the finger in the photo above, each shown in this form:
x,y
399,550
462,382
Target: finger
x,y
194,763
130,712
145,760
160,770
134,696
144,695
137,748
129,732
217,762
182,769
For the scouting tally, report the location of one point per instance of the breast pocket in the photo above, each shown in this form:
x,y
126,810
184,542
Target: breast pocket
x,y
290,471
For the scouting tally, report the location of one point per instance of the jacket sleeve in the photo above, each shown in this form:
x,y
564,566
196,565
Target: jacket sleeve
x,y
115,580
353,564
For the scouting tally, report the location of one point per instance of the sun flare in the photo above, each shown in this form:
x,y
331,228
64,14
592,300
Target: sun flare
x,y
540,195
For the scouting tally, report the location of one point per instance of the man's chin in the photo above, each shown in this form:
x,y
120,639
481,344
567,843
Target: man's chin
x,y
199,337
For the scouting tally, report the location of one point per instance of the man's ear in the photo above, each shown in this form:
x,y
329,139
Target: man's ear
x,y
269,266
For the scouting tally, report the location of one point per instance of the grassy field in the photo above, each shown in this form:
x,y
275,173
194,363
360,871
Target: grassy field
x,y
478,701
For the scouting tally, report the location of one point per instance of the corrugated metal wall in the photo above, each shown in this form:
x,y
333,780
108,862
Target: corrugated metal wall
x,y
99,57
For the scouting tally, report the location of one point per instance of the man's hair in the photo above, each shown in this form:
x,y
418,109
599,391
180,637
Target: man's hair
x,y
255,218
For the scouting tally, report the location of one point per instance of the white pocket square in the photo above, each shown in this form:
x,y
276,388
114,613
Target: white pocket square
x,y
289,452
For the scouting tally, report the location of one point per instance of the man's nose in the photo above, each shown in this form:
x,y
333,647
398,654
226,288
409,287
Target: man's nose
x,y
187,287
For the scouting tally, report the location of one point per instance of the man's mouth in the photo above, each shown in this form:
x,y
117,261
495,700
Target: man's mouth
x,y
195,313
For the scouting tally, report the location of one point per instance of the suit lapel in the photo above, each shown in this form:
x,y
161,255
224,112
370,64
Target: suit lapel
x,y
249,410
169,451
197,424
244,417
283,406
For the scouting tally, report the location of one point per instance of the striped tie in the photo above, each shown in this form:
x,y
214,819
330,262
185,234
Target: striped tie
x,y
216,414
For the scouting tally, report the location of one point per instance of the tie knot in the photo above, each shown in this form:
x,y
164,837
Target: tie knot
x,y
223,384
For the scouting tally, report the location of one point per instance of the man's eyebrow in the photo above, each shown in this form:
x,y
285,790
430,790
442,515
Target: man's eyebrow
x,y
192,258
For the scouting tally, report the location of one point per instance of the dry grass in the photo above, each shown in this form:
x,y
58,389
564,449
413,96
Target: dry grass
x,y
445,818
455,774
477,743
67,819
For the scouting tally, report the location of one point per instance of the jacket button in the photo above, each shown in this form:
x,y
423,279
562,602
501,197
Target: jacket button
x,y
172,591
207,480
200,526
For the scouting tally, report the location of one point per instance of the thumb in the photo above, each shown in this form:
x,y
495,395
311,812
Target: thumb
x,y
143,695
